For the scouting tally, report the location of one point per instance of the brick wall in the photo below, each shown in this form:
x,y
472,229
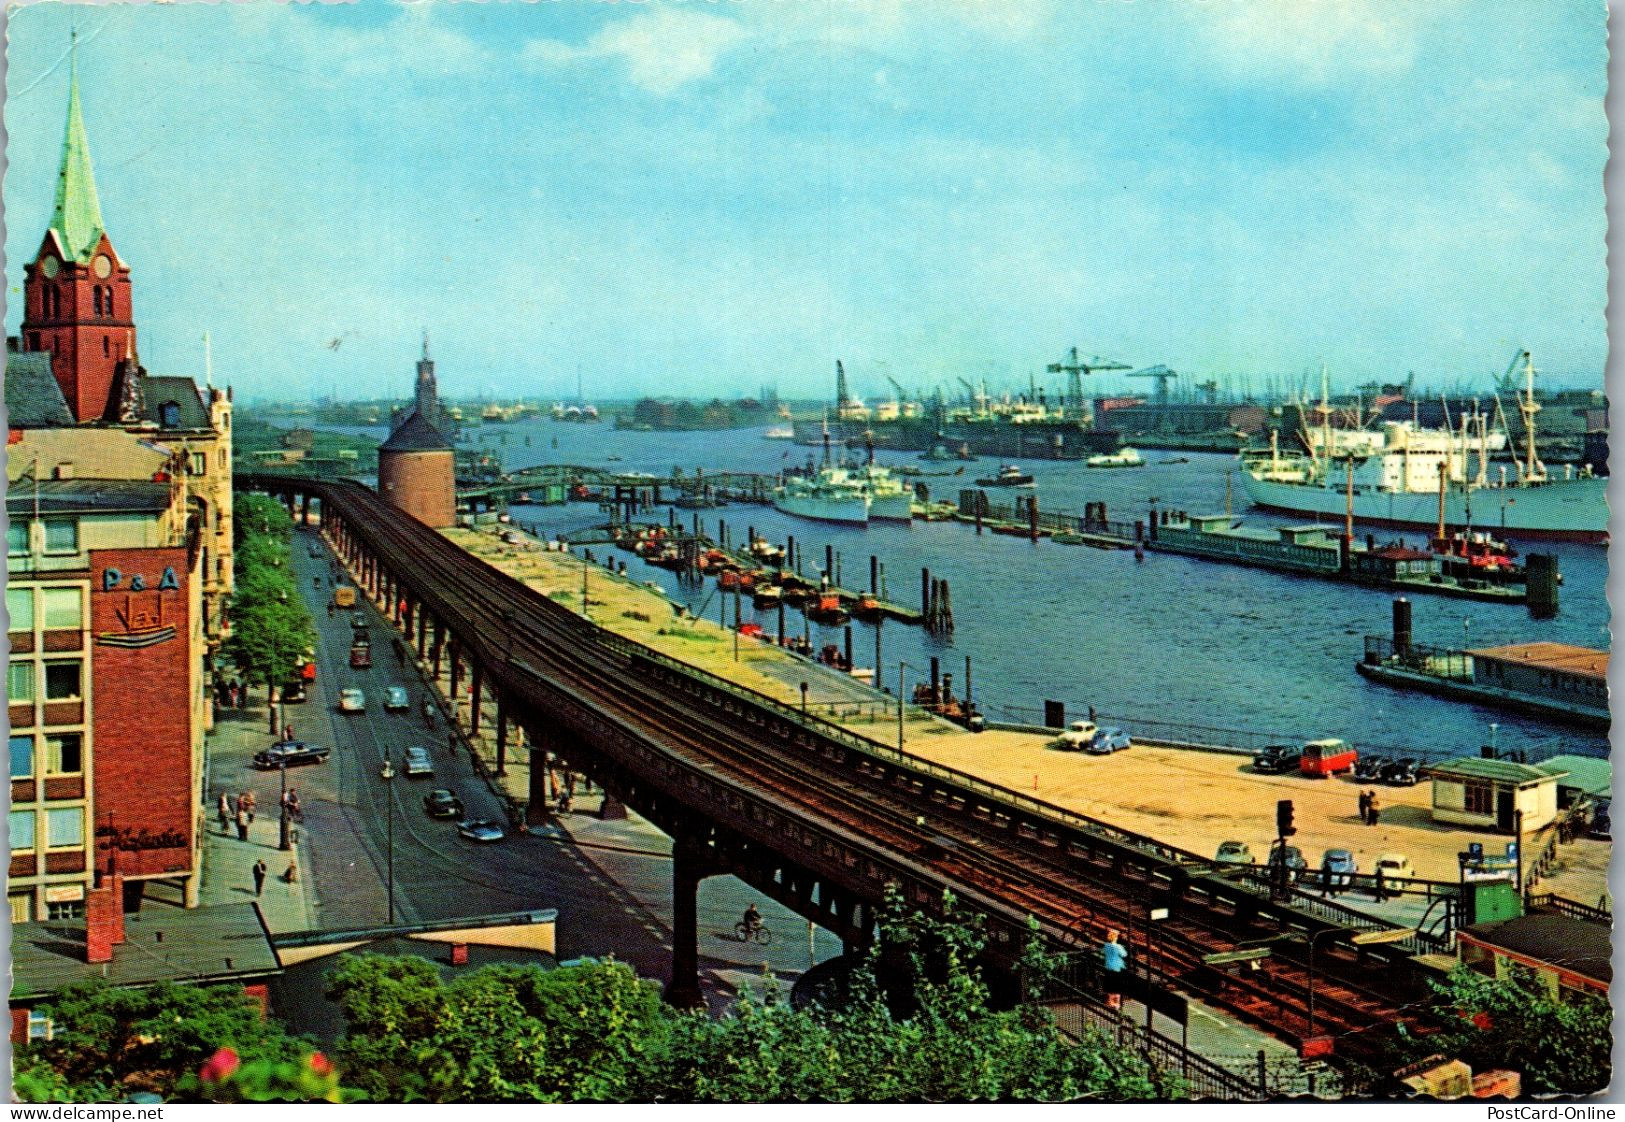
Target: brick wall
x,y
142,760
420,483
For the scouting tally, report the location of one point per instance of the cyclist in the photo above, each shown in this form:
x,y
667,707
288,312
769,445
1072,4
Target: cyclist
x,y
752,920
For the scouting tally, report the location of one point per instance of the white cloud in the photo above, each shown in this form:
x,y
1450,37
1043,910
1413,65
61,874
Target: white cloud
x,y
1313,42
663,49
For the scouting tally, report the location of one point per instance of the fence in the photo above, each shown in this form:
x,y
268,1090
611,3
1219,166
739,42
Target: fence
x,y
1443,663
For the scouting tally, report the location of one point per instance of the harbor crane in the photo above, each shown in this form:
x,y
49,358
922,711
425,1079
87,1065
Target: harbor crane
x,y
976,397
1075,369
1163,376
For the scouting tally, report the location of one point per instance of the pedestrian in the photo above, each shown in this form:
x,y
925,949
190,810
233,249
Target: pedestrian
x,y
225,814
287,732
259,876
1372,809
242,823
291,876
246,801
451,741
1365,808
1114,956
1091,714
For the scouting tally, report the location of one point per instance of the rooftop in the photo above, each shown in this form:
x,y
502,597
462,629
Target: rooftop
x,y
1551,656
87,496
219,944
1593,776
33,397
189,411
1573,944
415,434
1496,771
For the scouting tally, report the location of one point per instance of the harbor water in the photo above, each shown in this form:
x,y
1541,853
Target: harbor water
x,y
1171,642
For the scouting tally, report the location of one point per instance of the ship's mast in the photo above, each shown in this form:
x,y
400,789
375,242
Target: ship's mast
x,y
1528,406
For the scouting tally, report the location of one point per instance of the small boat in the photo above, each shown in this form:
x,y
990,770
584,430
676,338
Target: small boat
x,y
1066,537
1009,476
828,609
768,596
1123,458
780,432
867,607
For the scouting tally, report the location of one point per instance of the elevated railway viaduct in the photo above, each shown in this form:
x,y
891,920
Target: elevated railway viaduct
x,y
823,820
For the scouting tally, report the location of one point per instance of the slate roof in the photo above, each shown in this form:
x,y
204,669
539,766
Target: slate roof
x,y
155,392
415,435
86,496
1572,944
1496,771
33,398
218,944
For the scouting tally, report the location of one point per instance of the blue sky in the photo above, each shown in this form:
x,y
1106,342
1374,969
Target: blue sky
x,y
704,196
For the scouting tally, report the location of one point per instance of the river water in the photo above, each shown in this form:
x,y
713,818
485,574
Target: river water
x,y
1166,639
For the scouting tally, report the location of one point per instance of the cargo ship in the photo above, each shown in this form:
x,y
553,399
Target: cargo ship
x,y
1416,478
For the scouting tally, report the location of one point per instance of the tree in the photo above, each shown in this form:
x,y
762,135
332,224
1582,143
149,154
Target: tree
x,y
109,1041
271,629
1561,1045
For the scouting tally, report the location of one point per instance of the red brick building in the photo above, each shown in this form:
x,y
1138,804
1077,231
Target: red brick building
x,y
417,469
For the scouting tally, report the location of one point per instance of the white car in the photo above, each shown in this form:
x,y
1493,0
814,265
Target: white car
x,y
1077,735
395,698
418,762
1394,866
352,701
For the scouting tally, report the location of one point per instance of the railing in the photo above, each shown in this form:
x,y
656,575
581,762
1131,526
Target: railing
x,y
1443,663
1572,908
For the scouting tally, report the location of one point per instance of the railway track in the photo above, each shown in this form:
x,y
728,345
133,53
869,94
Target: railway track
x,y
1073,901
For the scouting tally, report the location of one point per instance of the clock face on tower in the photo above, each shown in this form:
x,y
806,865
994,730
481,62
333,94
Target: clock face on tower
x,y
102,265
49,266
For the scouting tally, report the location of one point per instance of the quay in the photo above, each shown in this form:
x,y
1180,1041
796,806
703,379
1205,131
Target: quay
x,y
1190,798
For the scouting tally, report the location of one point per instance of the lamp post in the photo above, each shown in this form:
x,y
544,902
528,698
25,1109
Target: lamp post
x,y
901,666
284,840
387,772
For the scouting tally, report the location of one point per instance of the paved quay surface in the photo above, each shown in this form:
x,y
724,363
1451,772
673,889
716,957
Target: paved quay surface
x,y
1190,799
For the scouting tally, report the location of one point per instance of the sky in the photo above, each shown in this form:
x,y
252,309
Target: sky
x,y
697,197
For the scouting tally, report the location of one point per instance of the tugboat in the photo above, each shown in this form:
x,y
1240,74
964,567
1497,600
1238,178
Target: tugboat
x,y
827,609
1475,555
1009,476
1126,458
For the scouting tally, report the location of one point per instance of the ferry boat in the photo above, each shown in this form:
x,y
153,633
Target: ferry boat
x,y
833,495
1009,476
780,432
1127,458
1400,482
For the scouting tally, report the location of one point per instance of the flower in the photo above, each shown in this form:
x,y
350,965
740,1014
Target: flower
x,y
1482,1021
320,1064
219,1066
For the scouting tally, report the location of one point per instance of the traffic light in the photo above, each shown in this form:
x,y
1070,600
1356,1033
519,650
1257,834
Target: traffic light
x,y
1283,819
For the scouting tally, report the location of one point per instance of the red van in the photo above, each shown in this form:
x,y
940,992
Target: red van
x,y
1326,757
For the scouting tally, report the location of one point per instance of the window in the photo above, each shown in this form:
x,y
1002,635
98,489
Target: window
x,y
169,415
1478,798
64,609
62,681
107,347
22,906
68,909
65,754
22,830
20,609
40,1026
20,683
61,535
65,827
22,757
16,538
199,462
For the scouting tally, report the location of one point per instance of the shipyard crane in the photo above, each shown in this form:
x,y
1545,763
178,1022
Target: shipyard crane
x,y
976,398
1075,369
1163,376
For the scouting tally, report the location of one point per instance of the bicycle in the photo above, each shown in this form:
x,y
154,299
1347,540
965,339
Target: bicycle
x,y
744,933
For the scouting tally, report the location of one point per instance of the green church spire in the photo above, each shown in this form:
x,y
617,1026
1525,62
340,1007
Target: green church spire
x,y
78,217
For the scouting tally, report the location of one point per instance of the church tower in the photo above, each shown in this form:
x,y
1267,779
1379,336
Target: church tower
x,y
77,293
428,399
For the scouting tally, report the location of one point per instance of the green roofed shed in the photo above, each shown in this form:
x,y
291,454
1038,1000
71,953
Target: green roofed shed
x,y
1496,795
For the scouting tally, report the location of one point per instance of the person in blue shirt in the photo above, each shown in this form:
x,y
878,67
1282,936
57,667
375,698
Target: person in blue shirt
x,y
1114,956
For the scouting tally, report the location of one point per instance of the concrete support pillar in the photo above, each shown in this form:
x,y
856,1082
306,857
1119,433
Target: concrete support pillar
x,y
423,629
687,870
456,675
613,810
475,677
439,645
502,737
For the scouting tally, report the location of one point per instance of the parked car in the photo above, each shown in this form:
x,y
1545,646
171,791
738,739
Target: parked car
x,y
1077,735
1394,866
1234,853
290,753
441,803
1400,773
1327,757
395,698
1337,869
1601,826
1107,741
418,762
1369,769
315,551
481,830
1289,855
352,700
1276,758
358,621
292,691
360,656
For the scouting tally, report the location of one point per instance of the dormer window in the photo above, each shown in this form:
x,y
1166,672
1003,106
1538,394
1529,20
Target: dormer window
x,y
169,415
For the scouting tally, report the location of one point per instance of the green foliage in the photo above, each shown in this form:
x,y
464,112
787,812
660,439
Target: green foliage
x,y
1561,1046
271,628
110,1041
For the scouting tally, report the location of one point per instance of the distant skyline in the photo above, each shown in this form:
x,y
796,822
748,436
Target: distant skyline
x,y
702,197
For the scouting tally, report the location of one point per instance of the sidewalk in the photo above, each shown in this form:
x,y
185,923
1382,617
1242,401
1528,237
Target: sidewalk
x,y
228,863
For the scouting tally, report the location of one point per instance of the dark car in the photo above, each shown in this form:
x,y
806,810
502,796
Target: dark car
x,y
441,803
1293,858
1400,773
481,830
1277,758
290,753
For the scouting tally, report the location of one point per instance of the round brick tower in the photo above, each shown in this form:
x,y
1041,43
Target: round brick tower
x,y
417,472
